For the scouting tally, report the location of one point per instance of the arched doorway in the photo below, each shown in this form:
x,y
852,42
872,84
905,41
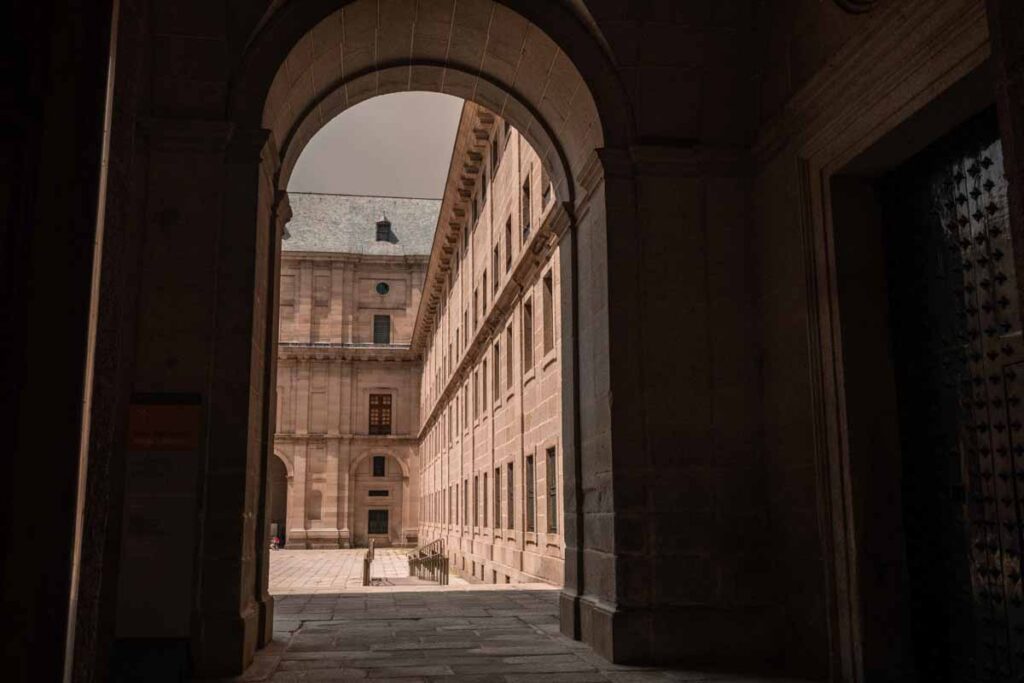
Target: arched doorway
x,y
379,503
277,512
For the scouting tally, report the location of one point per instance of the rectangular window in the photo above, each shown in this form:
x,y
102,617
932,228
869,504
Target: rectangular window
x,y
383,231
548,311
483,387
527,335
545,187
552,486
484,505
508,356
476,393
497,497
377,522
379,493
476,501
450,515
476,308
483,289
476,211
380,413
483,187
382,329
379,466
527,209
456,520
496,380
508,244
531,510
495,264
494,153
465,406
510,483
465,502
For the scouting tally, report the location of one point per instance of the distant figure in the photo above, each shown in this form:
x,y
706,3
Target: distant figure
x,y
275,543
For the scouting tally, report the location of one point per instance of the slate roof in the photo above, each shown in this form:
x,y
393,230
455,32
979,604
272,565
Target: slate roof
x,y
348,224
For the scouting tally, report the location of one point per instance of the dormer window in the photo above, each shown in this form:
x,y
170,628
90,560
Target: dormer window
x,y
383,229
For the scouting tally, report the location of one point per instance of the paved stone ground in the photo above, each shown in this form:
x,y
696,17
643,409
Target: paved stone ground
x,y
473,632
494,635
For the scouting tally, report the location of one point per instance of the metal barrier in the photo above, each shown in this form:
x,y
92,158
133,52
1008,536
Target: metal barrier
x,y
430,563
367,563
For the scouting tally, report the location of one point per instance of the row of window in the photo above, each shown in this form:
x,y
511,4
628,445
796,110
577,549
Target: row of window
x,y
475,390
443,507
480,294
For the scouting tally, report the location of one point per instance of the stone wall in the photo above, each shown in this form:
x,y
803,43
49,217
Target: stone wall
x,y
490,405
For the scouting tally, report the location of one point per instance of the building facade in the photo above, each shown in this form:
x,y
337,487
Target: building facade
x,y
489,325
348,382
409,411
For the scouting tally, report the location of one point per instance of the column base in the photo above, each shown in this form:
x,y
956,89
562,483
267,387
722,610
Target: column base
x,y
265,629
295,540
224,644
323,539
738,639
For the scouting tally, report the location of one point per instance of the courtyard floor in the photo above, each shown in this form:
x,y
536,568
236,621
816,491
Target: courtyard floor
x,y
327,628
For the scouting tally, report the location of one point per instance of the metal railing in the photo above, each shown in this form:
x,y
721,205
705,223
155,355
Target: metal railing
x,y
429,562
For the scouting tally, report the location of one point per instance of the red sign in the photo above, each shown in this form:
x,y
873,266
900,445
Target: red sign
x,y
164,427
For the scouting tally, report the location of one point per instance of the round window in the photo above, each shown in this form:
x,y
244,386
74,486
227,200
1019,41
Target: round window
x,y
383,288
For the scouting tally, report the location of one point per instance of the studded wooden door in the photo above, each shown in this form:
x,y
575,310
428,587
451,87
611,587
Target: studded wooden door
x,y
957,348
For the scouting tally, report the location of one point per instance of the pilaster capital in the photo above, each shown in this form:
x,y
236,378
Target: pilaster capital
x,y
186,135
246,145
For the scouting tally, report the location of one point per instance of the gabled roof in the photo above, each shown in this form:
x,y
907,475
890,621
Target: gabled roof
x,y
348,224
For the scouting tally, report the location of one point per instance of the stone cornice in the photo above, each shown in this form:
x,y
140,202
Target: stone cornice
x,y
471,147
341,257
372,440
535,253
347,352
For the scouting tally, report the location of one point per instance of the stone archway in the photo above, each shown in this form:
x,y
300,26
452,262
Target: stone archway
x,y
539,67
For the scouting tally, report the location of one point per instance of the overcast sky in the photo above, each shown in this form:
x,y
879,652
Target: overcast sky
x,y
395,145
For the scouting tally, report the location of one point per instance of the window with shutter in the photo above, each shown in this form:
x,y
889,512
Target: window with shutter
x,y
382,329
380,413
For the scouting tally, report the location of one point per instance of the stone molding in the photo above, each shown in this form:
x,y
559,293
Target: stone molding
x,y
904,43
347,352
347,257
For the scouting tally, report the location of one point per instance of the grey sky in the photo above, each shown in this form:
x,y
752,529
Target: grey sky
x,y
395,145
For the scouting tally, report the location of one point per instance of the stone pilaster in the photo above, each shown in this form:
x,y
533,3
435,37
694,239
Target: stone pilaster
x,y
226,616
667,512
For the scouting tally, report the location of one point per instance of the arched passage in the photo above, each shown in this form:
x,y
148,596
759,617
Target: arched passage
x,y
540,68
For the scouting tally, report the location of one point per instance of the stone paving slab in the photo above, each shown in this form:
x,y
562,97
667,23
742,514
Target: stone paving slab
x,y
508,636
